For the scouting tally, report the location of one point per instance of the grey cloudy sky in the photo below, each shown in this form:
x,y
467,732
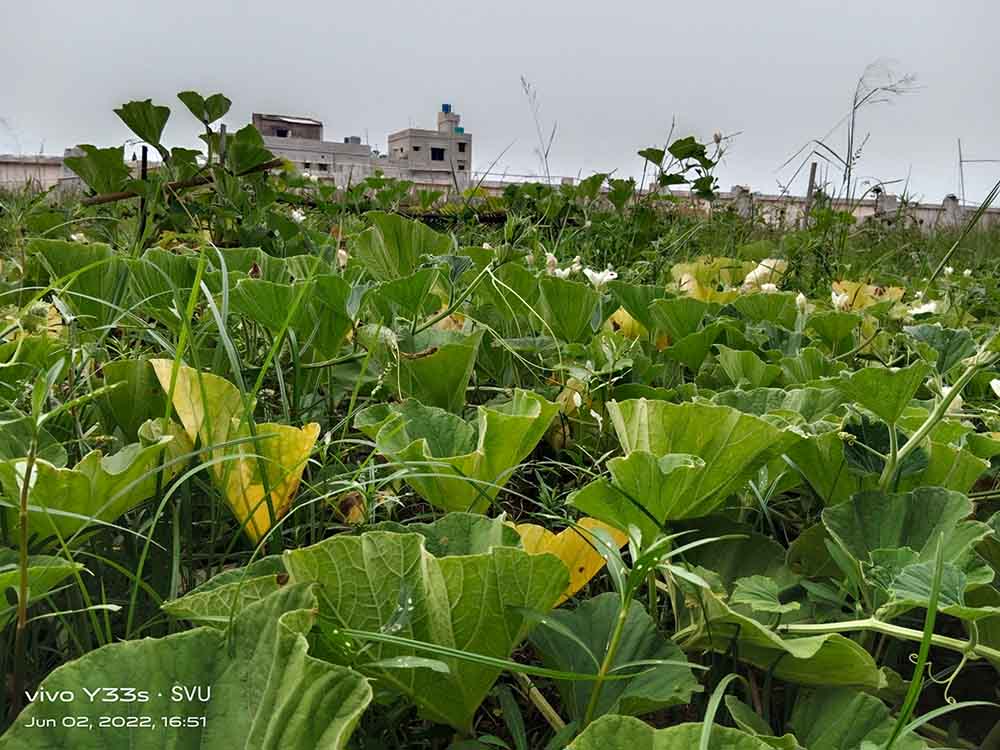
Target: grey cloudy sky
x,y
611,74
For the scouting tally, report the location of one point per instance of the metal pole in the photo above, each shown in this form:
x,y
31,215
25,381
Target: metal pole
x,y
809,194
143,173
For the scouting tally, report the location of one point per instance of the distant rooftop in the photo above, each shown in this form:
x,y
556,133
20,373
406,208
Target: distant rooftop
x,y
293,120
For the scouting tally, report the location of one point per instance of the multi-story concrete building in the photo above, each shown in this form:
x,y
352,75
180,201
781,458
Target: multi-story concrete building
x,y
442,156
438,158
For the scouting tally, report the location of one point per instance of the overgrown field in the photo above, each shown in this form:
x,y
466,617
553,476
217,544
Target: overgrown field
x,y
287,467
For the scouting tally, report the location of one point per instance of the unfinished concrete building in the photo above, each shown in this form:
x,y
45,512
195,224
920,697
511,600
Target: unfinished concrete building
x,y
431,158
435,156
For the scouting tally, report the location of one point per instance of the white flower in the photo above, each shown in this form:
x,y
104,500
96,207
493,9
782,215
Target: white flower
x,y
577,399
576,265
840,300
562,273
587,224
928,308
487,246
919,295
599,419
342,258
298,216
801,302
967,273
78,237
530,259
948,270
551,264
767,271
769,288
687,282
956,405
599,278
995,385
307,174
313,178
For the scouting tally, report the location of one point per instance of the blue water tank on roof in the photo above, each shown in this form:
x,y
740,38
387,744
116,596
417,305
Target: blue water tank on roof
x,y
446,108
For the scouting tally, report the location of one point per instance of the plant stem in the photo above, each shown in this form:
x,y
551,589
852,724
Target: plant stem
x,y
970,648
609,658
535,696
458,302
936,415
20,634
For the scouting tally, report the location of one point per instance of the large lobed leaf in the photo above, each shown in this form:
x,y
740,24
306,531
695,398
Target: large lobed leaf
x,y
457,465
387,582
257,476
266,691
627,733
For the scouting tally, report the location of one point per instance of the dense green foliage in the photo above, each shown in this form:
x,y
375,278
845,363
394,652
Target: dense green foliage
x,y
585,467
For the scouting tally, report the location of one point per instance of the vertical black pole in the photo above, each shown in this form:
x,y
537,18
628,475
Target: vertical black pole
x,y
143,173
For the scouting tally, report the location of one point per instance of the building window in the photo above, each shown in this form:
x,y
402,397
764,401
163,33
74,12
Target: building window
x,y
306,164
461,167
437,154
323,167
281,132
416,148
461,147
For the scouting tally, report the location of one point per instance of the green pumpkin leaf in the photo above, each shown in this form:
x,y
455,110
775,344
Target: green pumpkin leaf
x,y
206,109
392,246
435,367
886,392
845,719
44,574
645,491
911,588
820,660
147,121
628,733
678,316
811,404
950,346
744,368
748,721
836,328
873,520
592,623
102,169
636,298
459,466
386,582
567,307
458,534
265,690
761,594
62,502
137,398
778,308
732,445
90,278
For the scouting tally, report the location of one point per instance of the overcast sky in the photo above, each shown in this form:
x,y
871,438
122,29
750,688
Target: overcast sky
x,y
613,75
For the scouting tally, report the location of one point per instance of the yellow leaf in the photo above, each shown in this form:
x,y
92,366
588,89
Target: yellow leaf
x,y
574,547
860,296
211,409
626,325
280,456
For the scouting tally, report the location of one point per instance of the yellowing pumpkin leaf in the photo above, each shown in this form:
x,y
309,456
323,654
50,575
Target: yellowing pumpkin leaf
x,y
860,296
577,549
211,409
280,454
626,325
